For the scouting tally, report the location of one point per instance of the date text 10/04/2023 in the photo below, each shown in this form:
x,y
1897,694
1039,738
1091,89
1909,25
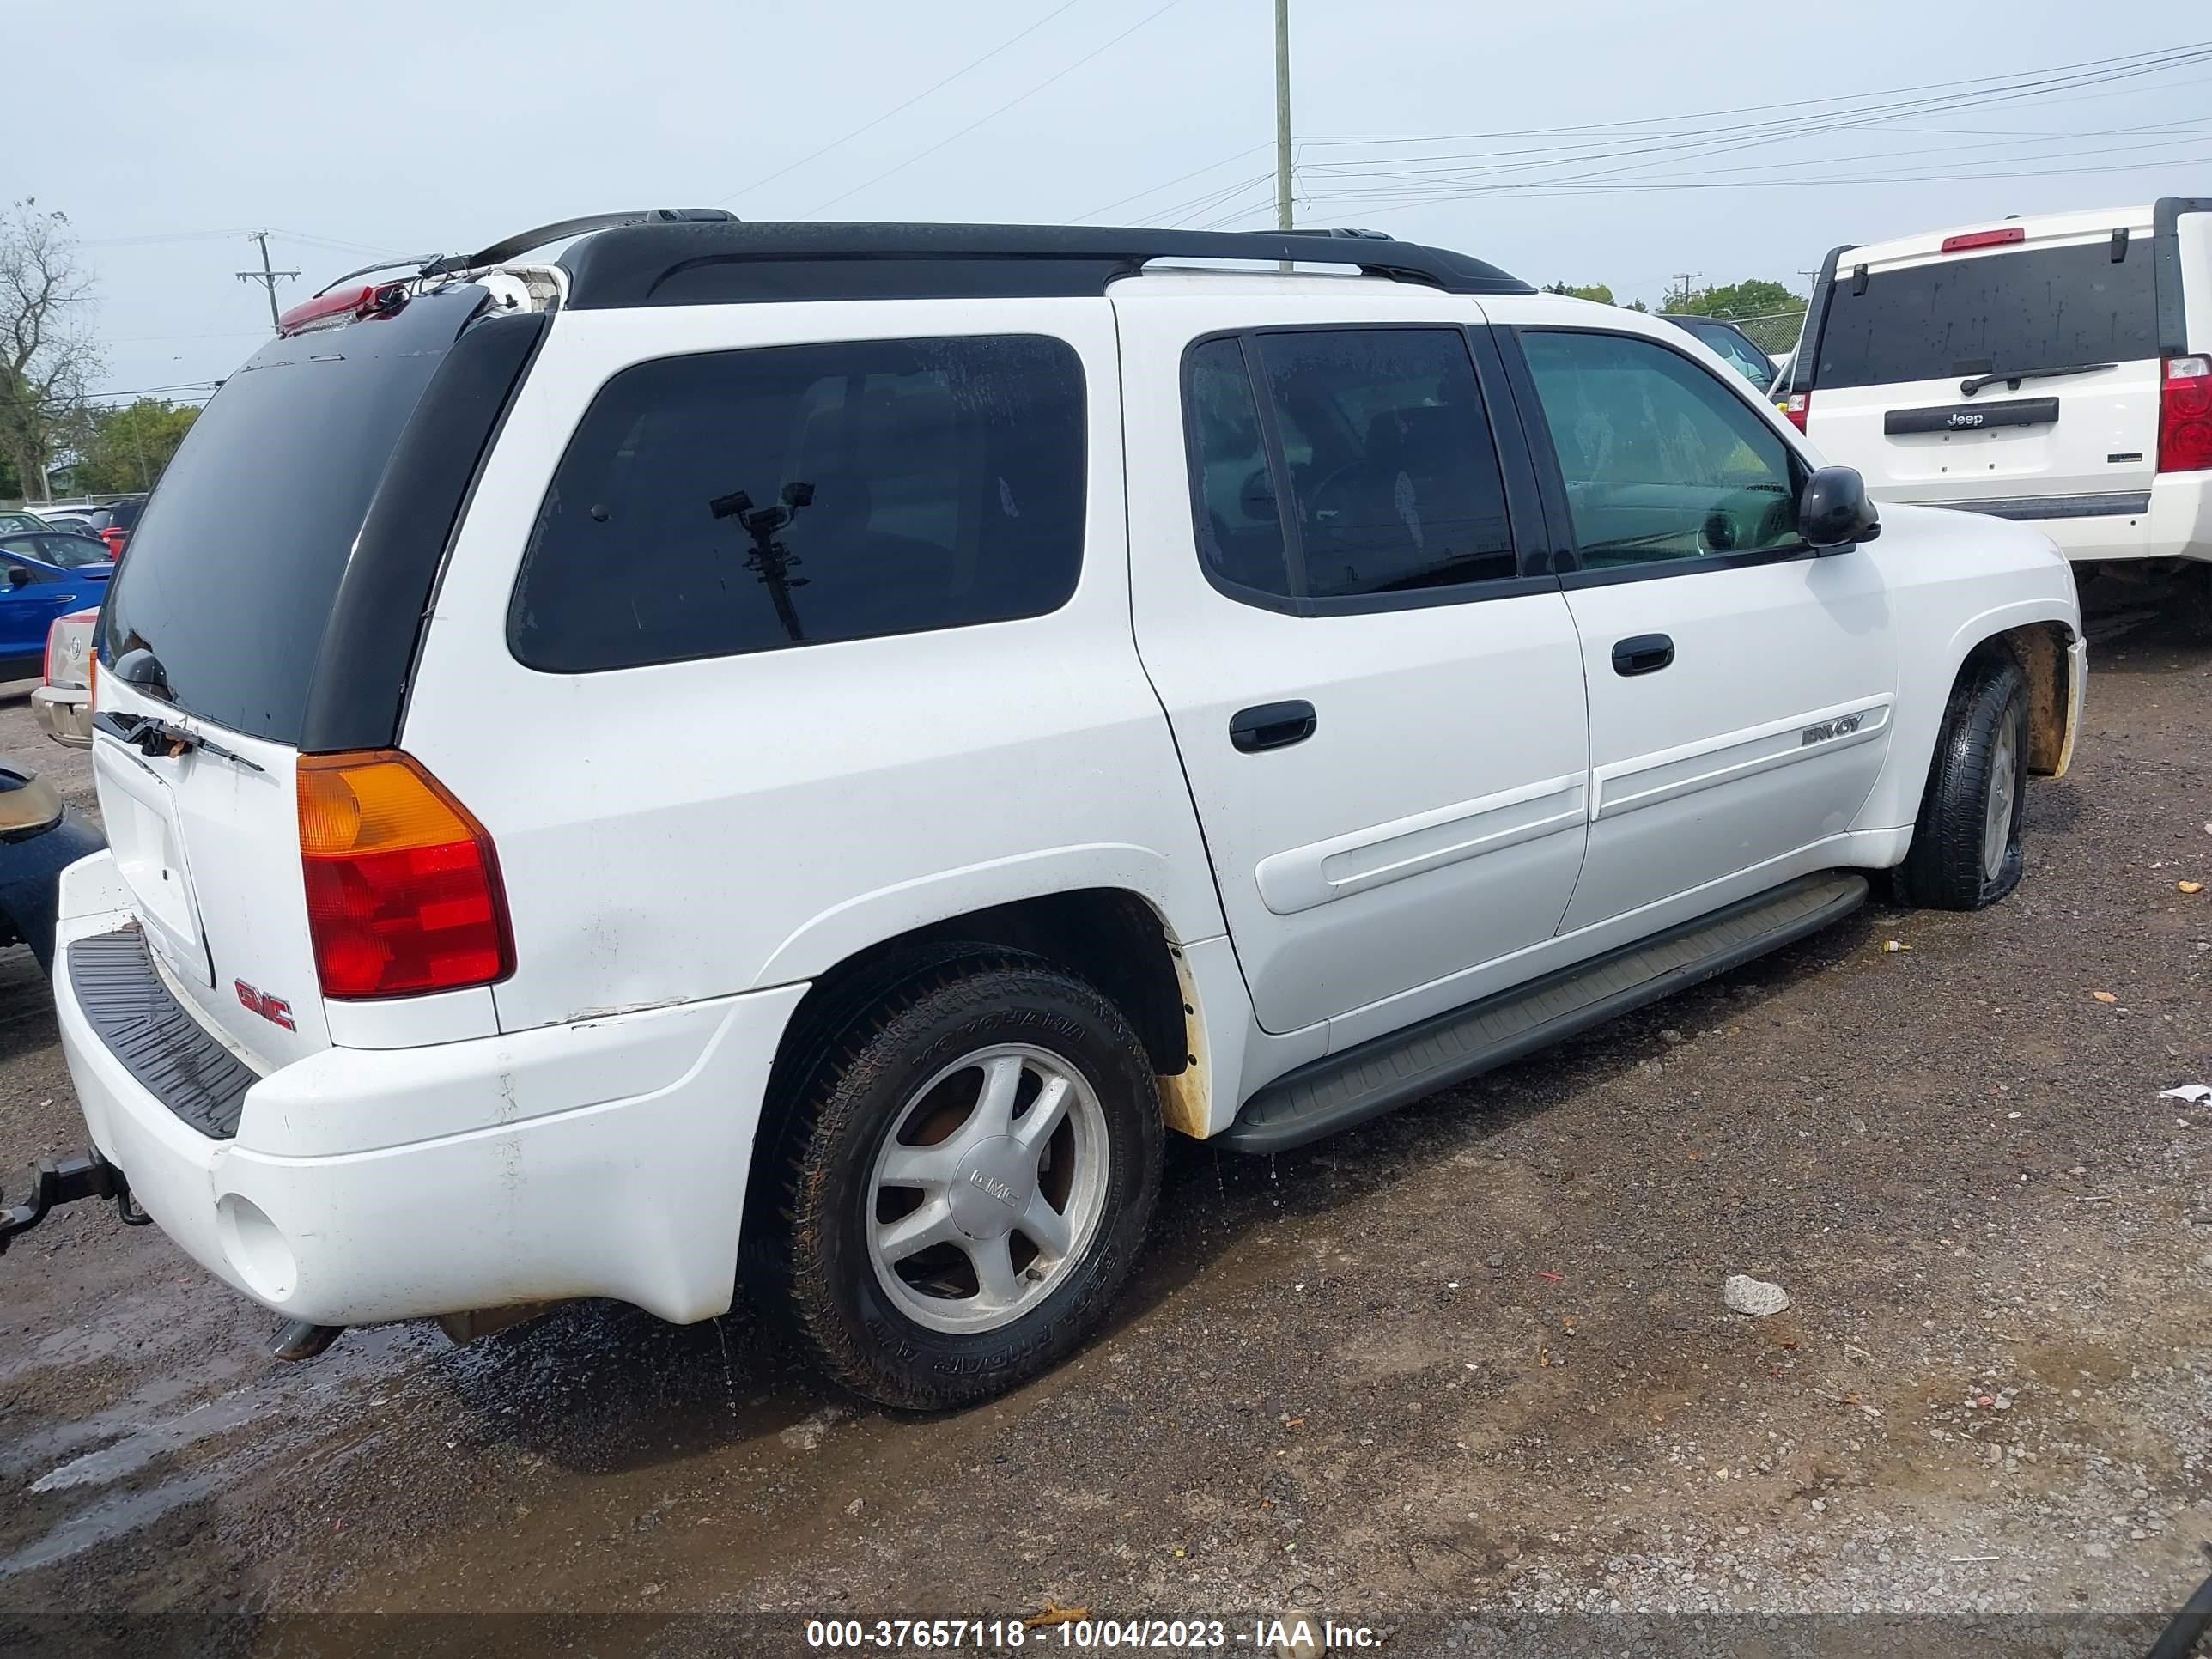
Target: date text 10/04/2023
x,y
1299,1633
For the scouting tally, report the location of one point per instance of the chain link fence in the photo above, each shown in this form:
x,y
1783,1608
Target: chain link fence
x,y
1775,335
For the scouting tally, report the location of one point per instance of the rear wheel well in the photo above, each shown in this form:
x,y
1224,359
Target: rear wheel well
x,y
1107,936
2040,650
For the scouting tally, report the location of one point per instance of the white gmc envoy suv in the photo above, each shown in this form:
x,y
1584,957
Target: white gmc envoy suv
x,y
786,755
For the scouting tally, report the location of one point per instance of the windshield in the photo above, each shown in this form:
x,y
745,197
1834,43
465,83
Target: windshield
x,y
2057,307
232,570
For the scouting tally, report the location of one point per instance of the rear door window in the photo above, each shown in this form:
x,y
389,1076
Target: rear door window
x,y
1384,477
2058,307
735,502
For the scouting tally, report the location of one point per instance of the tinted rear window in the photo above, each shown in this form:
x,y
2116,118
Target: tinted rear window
x,y
2046,308
735,502
233,566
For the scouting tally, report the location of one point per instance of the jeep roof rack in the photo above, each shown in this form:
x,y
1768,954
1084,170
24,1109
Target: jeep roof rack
x,y
696,261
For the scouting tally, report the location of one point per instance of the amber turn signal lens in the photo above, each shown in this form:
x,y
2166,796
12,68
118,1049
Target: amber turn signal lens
x,y
404,893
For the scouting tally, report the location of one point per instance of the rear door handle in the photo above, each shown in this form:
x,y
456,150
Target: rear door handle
x,y
1646,653
1272,726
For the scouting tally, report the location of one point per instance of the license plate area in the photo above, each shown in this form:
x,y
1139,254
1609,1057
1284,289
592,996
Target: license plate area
x,y
1972,417
140,815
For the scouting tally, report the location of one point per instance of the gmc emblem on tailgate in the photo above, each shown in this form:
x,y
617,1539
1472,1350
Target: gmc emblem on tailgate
x,y
274,1009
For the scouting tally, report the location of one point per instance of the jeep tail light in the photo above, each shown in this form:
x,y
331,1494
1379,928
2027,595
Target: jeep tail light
x,y
1795,407
2185,415
404,892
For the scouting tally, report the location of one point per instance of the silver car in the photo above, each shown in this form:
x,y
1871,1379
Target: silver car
x,y
63,703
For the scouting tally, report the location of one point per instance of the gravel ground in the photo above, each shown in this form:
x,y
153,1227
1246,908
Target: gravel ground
x,y
1463,1379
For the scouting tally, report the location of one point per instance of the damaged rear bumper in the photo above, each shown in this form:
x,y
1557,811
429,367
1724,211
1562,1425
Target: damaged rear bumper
x,y
607,1158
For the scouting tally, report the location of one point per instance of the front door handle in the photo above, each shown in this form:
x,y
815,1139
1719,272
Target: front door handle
x,y
1646,653
1272,726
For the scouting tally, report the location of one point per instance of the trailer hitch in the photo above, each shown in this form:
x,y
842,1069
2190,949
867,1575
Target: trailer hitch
x,y
64,1181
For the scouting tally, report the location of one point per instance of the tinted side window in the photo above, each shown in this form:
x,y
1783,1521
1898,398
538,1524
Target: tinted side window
x,y
1394,478
1383,453
744,501
2046,308
1660,460
1240,532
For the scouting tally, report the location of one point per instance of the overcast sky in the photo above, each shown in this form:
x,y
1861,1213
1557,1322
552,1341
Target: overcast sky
x,y
352,132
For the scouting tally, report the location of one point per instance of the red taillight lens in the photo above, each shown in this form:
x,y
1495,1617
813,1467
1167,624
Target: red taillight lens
x,y
1795,407
334,310
2185,415
1984,239
404,893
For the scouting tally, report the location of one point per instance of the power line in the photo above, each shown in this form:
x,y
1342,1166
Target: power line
x,y
1796,105
1640,156
1543,188
1796,168
1180,178
1020,98
896,109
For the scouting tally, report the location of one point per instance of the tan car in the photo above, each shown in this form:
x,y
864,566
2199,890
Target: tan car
x,y
63,703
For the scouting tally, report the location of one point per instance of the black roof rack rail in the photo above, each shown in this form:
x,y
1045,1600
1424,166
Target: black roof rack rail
x,y
560,230
726,261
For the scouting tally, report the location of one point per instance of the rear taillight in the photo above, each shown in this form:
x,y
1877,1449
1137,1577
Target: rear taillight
x,y
2185,415
336,310
404,893
1795,407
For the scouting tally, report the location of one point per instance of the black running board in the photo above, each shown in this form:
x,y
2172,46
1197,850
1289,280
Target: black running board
x,y
1339,1091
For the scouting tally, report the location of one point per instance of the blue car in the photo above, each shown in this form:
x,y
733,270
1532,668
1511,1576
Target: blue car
x,y
43,575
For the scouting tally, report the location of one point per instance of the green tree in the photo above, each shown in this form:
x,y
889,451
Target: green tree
x,y
1597,291
1753,297
47,353
125,449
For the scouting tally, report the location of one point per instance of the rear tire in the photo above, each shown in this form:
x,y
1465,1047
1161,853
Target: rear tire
x,y
968,1180
1965,847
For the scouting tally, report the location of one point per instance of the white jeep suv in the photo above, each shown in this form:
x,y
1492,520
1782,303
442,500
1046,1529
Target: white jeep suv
x,y
817,744
2054,369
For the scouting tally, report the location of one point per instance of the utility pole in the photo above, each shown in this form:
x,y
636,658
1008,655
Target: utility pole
x,y
266,277
1685,277
1282,114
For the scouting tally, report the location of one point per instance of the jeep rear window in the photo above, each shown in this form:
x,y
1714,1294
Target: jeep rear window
x,y
2042,309
231,572
735,502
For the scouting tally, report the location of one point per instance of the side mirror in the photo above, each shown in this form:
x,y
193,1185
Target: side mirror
x,y
18,577
1833,514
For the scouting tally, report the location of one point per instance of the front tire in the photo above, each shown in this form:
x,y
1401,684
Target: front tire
x,y
1965,847
971,1177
